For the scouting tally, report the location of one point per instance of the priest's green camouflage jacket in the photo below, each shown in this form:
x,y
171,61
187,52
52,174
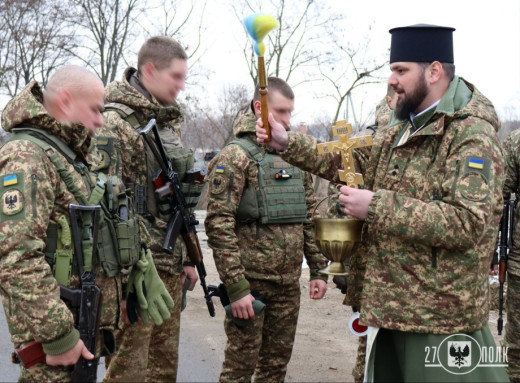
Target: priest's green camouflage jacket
x,y
33,196
131,167
512,185
433,220
266,252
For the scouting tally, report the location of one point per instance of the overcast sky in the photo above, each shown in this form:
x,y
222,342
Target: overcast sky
x,y
486,45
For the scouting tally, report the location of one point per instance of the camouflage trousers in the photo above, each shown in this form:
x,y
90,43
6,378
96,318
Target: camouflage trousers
x,y
42,372
512,336
148,352
358,372
264,347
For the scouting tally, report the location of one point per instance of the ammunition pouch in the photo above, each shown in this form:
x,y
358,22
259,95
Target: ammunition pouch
x,y
248,210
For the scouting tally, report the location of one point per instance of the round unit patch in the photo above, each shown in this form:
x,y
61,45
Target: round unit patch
x,y
12,202
218,185
105,159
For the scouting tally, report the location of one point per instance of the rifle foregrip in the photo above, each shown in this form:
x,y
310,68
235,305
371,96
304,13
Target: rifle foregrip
x,y
31,354
193,247
502,269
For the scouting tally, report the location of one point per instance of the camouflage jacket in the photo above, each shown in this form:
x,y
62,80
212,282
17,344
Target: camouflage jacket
x,y
512,185
34,196
132,149
254,251
432,222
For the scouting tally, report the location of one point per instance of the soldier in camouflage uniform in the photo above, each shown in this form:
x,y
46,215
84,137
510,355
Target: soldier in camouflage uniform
x,y
512,185
34,198
260,256
148,352
432,205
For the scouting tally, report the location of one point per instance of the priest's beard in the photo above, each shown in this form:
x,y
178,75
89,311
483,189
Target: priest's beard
x,y
411,102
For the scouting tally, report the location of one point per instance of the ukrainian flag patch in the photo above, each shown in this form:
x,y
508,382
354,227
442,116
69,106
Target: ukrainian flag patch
x,y
11,179
475,163
220,169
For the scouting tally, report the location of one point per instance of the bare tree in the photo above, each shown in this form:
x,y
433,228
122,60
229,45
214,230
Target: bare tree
x,y
306,30
212,128
107,30
349,68
36,38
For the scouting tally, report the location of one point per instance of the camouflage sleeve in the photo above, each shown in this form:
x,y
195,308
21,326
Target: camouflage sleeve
x,y
468,201
302,152
28,194
315,259
227,179
512,160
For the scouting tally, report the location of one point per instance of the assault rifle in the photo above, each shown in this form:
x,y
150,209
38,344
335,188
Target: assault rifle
x,y
86,299
181,222
505,244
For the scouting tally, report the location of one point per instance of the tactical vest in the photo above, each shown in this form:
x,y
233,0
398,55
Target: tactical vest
x,y
182,160
119,242
281,195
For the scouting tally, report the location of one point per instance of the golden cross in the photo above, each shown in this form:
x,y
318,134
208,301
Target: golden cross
x,y
344,145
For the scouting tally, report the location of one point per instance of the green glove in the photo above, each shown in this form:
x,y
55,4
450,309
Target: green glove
x,y
147,283
136,304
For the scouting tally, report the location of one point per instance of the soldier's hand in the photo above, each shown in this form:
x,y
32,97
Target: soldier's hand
x,y
70,357
279,136
356,201
243,308
191,274
318,288
341,282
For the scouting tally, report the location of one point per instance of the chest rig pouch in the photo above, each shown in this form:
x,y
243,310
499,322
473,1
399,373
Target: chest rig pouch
x,y
118,236
281,194
182,160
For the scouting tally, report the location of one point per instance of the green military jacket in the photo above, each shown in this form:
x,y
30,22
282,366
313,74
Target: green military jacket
x,y
132,165
432,224
253,251
512,185
33,196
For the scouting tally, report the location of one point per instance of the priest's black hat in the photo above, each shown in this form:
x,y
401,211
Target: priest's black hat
x,y
422,43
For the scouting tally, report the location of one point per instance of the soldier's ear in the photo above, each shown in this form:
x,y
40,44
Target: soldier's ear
x,y
148,70
258,107
64,102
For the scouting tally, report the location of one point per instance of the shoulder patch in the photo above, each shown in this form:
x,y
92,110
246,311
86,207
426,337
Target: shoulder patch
x,y
474,182
218,184
220,169
12,198
479,164
12,202
11,179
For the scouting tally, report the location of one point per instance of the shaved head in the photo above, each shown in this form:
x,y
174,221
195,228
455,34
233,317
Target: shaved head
x,y
75,94
72,78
